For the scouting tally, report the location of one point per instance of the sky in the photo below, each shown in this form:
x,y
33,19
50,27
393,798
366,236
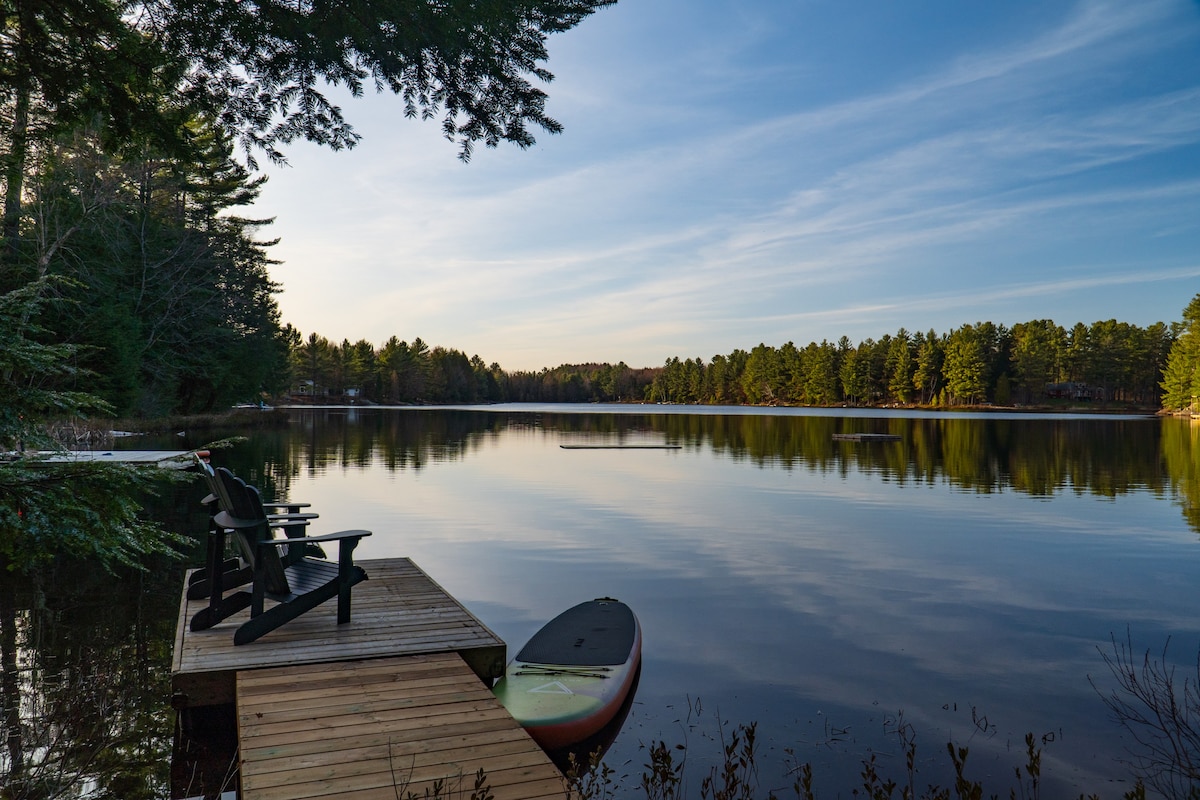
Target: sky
x,y
737,173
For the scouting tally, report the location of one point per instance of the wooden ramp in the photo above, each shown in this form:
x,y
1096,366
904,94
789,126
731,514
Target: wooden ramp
x,y
384,729
398,610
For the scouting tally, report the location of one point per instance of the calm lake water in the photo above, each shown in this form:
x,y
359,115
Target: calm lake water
x,y
967,576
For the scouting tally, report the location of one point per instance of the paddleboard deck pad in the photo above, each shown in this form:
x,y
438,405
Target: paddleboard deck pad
x,y
573,675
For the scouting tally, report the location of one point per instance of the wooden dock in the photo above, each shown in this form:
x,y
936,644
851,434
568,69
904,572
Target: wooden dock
x,y
383,729
397,703
398,610
171,459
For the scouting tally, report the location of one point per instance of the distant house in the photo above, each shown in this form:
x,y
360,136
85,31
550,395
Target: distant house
x,y
1074,390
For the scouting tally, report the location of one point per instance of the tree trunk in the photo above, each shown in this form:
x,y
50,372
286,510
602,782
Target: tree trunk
x,y
10,687
14,185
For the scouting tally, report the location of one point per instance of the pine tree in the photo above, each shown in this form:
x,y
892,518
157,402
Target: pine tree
x,y
927,378
1181,377
965,366
900,367
81,509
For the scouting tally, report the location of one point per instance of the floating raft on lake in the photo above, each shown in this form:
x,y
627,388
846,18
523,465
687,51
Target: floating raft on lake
x,y
865,437
621,446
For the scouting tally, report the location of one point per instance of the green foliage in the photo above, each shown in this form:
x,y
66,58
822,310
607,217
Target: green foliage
x,y
590,778
81,510
85,510
174,309
965,366
737,777
854,385
927,378
32,372
1181,378
900,367
117,167
662,778
1036,351
972,364
261,67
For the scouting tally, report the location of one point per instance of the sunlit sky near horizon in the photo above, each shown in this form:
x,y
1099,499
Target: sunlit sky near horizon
x,y
734,173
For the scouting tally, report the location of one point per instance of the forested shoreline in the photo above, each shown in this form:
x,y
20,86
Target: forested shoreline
x,y
127,251
1037,363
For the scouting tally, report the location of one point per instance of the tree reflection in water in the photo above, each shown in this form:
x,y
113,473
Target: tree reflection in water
x,y
1031,454
86,661
86,655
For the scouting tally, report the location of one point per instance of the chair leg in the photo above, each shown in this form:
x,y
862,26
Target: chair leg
x,y
213,613
348,575
277,615
272,618
232,577
227,565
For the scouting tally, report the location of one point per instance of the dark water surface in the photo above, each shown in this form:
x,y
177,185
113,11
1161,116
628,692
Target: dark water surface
x,y
966,576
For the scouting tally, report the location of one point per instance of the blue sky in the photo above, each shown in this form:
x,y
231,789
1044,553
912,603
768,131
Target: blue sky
x,y
734,173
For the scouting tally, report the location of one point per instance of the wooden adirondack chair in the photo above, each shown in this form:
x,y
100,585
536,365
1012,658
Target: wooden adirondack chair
x,y
279,567
235,571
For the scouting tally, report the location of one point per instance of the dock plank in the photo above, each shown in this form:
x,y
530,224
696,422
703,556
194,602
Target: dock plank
x,y
382,728
398,610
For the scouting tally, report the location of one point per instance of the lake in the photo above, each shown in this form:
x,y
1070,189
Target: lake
x,y
961,582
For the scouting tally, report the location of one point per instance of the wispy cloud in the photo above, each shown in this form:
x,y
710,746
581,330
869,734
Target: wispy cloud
x,y
1039,170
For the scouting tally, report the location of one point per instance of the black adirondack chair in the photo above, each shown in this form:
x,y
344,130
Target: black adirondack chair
x,y
236,571
280,569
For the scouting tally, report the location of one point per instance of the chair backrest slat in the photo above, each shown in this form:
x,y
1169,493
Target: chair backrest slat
x,y
245,504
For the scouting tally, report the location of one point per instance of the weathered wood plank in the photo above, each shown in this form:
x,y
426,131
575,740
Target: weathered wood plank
x,y
410,775
300,737
300,743
365,730
399,610
389,757
327,702
171,459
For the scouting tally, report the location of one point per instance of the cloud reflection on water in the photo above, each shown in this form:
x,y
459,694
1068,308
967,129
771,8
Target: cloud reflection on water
x,y
779,586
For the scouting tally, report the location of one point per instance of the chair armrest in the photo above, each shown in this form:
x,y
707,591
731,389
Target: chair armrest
x,y
287,505
277,518
329,537
227,520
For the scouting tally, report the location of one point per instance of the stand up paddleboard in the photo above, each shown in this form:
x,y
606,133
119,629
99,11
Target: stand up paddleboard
x,y
574,674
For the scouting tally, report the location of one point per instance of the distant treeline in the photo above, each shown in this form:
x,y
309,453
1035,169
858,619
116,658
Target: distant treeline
x,y
404,372
1033,362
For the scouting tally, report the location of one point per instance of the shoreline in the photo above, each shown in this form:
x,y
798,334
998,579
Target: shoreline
x,y
277,415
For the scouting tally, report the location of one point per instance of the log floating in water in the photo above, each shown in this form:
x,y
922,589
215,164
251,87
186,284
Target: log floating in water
x,y
866,437
621,446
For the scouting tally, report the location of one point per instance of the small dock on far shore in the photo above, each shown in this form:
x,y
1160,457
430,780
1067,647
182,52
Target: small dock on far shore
x,y
865,437
396,703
